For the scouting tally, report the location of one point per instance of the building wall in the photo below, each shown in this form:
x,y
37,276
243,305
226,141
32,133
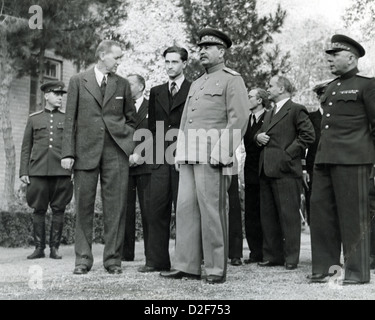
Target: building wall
x,y
19,112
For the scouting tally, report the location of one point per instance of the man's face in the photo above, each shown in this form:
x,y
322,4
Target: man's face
x,y
112,58
135,87
54,99
273,89
174,66
253,100
211,55
339,62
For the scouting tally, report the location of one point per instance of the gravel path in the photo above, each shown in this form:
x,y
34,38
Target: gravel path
x,y
47,279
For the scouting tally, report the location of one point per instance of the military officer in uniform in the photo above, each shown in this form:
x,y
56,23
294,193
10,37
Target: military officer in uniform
x,y
215,111
47,183
339,200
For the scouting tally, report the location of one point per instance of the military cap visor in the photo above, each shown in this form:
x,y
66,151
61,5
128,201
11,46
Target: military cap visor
x,y
341,42
209,36
53,86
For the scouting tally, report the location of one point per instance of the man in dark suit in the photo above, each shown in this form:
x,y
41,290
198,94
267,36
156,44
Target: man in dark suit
x,y
98,140
47,183
259,104
345,155
165,109
285,134
139,173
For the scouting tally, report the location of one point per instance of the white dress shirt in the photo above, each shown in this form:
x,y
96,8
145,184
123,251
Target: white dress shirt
x,y
280,104
178,83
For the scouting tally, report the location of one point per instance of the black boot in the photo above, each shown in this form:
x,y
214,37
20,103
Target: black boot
x,y
55,238
39,238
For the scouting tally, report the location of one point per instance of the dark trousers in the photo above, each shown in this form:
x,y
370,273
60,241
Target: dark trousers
x,y
235,220
253,226
55,191
372,216
340,215
138,185
113,170
163,193
280,218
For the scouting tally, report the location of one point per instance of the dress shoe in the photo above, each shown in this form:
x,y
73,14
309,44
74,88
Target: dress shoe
x,y
54,254
176,274
290,266
37,254
114,270
318,278
81,269
252,260
269,264
127,259
236,262
215,279
348,282
145,269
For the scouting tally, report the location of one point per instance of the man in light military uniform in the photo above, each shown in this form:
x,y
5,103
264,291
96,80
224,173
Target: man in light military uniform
x,y
47,183
212,125
339,200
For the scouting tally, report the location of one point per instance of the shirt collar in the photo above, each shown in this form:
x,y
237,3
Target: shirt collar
x,y
138,102
217,67
258,114
280,104
178,82
99,75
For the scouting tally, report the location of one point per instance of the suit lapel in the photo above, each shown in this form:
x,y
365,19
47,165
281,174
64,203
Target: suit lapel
x,y
279,115
181,95
163,97
111,88
93,87
142,112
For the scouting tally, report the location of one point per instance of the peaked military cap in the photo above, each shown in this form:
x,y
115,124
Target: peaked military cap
x,y
53,86
341,42
212,36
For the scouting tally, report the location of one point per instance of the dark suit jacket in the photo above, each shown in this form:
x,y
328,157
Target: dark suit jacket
x,y
88,116
316,119
160,110
291,132
141,123
251,169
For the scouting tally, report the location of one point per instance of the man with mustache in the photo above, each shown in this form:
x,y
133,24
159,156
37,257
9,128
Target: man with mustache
x,y
215,111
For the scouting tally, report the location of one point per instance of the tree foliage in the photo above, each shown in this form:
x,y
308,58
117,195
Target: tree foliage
x,y
250,33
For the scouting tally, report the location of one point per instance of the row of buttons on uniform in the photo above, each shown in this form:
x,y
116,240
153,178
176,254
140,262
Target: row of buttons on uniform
x,y
330,104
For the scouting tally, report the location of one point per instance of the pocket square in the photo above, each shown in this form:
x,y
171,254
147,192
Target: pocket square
x,y
147,116
119,98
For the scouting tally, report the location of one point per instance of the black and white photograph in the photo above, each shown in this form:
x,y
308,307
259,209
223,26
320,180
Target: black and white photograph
x,y
187,156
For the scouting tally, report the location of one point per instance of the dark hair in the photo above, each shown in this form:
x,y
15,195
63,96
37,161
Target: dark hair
x,y
105,46
285,83
181,51
140,79
263,94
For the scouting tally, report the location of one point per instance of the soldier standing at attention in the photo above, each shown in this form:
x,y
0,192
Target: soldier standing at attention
x,y
345,155
47,183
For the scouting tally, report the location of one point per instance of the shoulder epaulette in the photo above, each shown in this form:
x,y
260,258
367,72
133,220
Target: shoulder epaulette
x,y
35,113
364,76
232,72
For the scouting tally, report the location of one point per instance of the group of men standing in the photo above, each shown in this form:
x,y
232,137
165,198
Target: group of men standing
x,y
212,115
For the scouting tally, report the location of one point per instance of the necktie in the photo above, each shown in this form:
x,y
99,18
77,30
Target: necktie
x,y
253,119
103,85
173,89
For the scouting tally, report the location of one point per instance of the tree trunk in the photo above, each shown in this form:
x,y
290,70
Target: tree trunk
x,y
6,77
